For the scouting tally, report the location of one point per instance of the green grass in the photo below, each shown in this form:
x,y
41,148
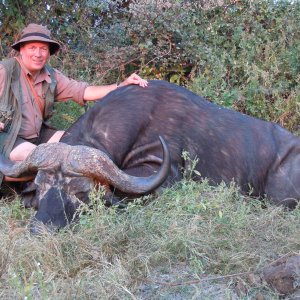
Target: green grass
x,y
152,251
65,114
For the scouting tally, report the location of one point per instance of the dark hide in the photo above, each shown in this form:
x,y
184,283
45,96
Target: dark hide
x,y
259,156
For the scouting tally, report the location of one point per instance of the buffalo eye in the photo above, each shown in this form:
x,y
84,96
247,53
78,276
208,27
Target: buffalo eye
x,y
82,196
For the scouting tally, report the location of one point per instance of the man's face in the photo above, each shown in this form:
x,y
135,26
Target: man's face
x,y
35,55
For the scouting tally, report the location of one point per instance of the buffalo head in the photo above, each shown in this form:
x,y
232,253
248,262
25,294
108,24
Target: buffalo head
x,y
66,174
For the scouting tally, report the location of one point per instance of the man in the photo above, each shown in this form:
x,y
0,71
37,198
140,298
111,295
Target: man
x,y
28,88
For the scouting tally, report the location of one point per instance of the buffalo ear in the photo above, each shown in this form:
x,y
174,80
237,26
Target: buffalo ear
x,y
30,187
5,164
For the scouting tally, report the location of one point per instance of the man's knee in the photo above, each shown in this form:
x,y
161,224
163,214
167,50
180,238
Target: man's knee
x,y
21,151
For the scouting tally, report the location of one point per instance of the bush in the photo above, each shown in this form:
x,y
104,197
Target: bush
x,y
252,62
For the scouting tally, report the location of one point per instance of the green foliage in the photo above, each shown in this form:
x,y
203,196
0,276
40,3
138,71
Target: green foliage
x,y
65,114
252,62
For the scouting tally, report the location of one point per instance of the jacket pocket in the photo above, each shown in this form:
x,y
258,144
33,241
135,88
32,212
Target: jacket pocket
x,y
6,116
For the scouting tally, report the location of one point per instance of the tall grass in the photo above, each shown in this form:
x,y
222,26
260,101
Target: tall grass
x,y
163,249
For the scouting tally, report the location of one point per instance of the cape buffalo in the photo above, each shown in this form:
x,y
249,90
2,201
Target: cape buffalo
x,y
259,156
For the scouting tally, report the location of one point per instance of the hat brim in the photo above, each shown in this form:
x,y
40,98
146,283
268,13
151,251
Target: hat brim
x,y
53,45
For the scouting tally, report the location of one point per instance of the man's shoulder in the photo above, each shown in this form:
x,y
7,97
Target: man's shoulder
x,y
7,62
54,71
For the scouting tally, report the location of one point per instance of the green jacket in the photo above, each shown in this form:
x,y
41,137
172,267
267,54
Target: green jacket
x,y
11,103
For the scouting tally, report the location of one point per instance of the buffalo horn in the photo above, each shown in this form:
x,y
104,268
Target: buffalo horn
x,y
82,160
96,164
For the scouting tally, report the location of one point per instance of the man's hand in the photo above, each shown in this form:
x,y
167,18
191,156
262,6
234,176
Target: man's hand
x,y
94,92
1,126
134,79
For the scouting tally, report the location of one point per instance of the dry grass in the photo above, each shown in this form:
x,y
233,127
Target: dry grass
x,y
162,250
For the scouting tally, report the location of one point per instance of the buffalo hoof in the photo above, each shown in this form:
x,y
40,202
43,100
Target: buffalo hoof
x,y
289,203
284,274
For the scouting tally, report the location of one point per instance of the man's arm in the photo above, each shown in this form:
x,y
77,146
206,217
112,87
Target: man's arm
x,y
2,82
94,92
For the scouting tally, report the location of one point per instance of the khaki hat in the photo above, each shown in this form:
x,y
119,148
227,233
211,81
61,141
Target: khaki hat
x,y
36,33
